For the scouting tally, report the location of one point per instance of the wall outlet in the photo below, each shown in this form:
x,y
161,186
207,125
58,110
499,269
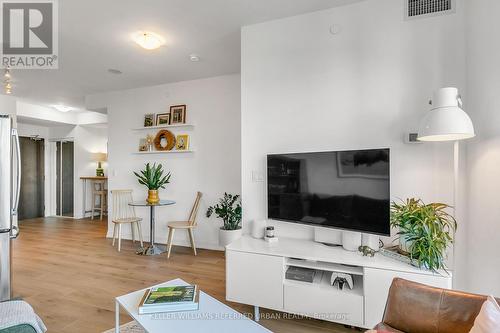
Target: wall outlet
x,y
411,138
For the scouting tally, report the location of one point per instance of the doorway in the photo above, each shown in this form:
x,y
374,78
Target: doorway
x,y
64,178
32,198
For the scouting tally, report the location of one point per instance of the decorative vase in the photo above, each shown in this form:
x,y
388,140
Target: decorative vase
x,y
404,244
259,228
226,237
153,197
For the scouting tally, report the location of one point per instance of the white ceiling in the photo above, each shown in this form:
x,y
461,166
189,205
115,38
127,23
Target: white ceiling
x,y
94,35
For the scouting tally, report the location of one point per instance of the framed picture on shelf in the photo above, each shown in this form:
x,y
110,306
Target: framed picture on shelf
x,y
163,119
182,142
143,145
149,120
178,114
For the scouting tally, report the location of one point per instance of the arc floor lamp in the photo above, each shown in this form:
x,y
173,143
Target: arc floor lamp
x,y
447,121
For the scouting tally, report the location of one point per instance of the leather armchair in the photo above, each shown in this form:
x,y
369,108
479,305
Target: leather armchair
x,y
416,308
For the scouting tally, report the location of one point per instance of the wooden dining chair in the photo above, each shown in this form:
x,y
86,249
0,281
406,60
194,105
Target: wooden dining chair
x,y
99,191
188,225
123,213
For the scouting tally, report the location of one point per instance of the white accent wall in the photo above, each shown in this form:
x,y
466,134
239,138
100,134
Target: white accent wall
x,y
305,89
87,139
213,106
483,152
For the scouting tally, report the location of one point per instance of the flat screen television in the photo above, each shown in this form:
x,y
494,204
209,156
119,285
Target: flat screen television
x,y
347,190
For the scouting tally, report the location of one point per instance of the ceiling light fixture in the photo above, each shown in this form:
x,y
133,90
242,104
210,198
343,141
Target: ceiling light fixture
x,y
7,85
194,58
63,108
148,40
115,71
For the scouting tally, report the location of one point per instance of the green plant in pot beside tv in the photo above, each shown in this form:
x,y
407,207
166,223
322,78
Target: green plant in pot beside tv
x,y
425,231
229,211
154,179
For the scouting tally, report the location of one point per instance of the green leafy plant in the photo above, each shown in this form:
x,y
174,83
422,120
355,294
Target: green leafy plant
x,y
229,210
152,177
428,230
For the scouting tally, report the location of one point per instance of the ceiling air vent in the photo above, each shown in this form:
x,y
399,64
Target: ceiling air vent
x,y
424,8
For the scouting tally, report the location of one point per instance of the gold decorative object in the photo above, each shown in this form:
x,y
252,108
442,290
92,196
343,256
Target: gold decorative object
x,y
164,140
153,197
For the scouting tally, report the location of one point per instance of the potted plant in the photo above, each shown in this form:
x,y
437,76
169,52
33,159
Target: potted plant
x,y
229,210
152,177
425,231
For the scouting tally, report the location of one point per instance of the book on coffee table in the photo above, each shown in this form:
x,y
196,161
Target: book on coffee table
x,y
169,299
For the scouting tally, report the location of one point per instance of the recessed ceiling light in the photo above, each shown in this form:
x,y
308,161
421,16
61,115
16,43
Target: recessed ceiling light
x,y
63,108
194,58
148,40
115,71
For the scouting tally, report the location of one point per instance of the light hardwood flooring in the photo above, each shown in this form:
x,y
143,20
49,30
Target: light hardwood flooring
x,y
69,272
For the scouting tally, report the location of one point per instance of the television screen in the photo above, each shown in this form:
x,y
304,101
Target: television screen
x,y
344,189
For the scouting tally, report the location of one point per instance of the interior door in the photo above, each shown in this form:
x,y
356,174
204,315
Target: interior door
x,y
65,176
32,201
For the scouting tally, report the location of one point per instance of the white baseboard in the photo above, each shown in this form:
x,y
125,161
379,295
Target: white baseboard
x,y
179,242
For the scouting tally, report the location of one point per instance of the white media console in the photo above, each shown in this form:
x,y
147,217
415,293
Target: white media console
x,y
255,275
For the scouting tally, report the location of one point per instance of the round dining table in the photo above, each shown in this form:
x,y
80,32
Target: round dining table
x,y
152,249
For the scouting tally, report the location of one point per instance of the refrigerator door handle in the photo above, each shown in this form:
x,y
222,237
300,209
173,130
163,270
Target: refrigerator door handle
x,y
14,228
14,231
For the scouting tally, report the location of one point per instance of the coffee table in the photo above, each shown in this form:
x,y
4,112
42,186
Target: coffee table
x,y
212,316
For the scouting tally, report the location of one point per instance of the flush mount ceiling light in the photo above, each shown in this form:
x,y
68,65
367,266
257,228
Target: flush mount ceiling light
x,y
63,108
148,40
194,57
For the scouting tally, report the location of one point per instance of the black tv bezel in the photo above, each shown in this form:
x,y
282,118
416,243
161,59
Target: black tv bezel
x,y
296,222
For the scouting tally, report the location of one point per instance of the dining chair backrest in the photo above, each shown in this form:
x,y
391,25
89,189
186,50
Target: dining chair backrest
x,y
194,210
121,207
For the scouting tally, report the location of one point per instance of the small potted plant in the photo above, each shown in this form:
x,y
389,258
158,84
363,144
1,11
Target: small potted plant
x,y
152,177
229,210
425,231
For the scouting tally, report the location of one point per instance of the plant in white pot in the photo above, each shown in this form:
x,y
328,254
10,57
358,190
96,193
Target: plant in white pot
x,y
425,231
229,210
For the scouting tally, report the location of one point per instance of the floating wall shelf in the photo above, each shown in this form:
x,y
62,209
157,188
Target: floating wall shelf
x,y
163,127
163,152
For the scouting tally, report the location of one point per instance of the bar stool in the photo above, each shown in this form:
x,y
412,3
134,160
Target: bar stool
x,y
99,191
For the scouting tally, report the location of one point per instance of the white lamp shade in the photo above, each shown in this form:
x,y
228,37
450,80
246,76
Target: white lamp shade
x,y
446,121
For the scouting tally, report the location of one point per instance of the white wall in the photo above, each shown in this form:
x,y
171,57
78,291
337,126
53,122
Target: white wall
x,y
213,106
482,102
44,113
7,105
87,139
304,89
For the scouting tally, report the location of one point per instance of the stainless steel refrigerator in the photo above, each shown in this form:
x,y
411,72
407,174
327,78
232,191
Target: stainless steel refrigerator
x,y
10,181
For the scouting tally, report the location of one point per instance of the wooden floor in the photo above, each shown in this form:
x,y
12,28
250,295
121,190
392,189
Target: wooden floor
x,y
69,272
